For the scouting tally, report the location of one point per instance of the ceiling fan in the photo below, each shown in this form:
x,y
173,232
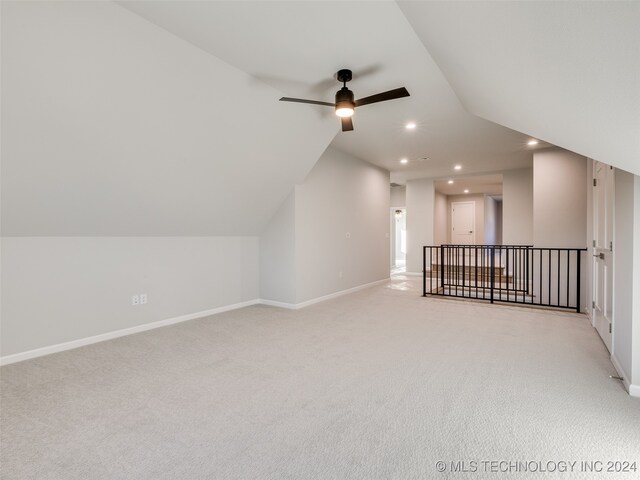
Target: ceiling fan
x,y
345,103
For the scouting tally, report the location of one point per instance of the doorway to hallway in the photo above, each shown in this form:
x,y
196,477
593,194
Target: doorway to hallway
x,y
398,240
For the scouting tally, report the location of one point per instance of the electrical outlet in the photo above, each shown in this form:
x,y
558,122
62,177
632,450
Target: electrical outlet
x,y
135,300
143,299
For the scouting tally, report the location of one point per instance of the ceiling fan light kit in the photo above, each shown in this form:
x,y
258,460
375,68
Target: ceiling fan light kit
x,y
345,103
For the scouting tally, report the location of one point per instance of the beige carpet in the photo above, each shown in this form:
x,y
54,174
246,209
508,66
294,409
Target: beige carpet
x,y
380,384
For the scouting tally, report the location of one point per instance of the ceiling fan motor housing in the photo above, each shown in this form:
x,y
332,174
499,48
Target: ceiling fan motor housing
x,y
345,98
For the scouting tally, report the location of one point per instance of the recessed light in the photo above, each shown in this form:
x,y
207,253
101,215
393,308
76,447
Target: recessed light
x,y
466,190
457,167
404,160
532,142
410,126
450,182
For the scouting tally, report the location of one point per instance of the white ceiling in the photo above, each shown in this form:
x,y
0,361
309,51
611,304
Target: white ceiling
x,y
484,184
162,117
566,72
296,47
113,126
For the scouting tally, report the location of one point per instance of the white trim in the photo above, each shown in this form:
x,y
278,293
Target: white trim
x,y
273,303
410,274
340,293
61,347
296,306
634,390
622,373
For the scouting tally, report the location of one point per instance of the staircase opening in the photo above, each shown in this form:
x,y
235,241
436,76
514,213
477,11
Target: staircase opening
x,y
523,274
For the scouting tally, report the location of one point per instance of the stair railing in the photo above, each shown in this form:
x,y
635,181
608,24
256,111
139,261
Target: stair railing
x,y
546,277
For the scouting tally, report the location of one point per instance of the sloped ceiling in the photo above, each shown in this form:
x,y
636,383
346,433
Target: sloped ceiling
x,y
565,72
113,126
296,47
161,117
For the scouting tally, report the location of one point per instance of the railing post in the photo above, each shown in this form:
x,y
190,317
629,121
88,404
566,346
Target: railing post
x,y
464,253
424,271
492,270
579,254
528,251
442,268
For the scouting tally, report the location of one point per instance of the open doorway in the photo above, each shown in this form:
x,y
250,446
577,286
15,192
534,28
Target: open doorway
x,y
468,210
398,240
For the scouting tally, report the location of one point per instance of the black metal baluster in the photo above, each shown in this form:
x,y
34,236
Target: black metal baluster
x,y
568,270
540,277
475,261
549,286
507,273
558,297
578,281
424,271
493,266
442,268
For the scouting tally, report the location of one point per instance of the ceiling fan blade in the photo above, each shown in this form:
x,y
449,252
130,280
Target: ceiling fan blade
x,y
347,124
302,100
381,97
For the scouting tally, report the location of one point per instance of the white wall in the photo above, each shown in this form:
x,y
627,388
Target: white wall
x,y
560,213
626,282
114,126
635,319
623,272
517,207
277,255
305,252
490,221
499,222
398,196
478,201
441,219
60,289
559,199
420,220
341,195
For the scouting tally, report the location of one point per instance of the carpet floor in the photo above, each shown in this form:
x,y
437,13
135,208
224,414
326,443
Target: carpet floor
x,y
379,384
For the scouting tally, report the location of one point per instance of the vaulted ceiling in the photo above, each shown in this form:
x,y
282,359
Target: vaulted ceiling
x,y
565,72
161,117
297,47
113,126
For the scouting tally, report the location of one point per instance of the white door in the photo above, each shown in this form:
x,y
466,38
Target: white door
x,y
463,219
602,251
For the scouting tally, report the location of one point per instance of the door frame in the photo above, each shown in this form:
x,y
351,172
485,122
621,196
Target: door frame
x,y
602,256
392,234
473,219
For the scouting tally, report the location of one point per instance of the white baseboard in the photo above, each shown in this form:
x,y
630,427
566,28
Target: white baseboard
x,y
296,306
61,347
625,378
634,390
340,293
411,274
273,303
